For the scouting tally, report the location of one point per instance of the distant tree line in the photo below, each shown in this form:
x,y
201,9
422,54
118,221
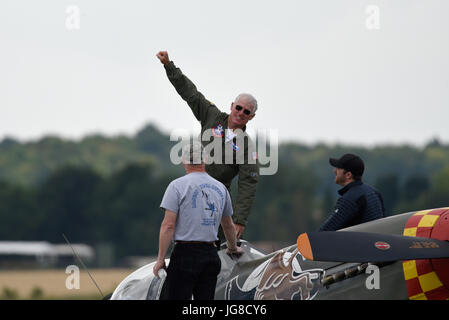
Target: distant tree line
x,y
107,191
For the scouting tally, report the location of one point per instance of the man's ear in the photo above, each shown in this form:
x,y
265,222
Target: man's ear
x,y
251,116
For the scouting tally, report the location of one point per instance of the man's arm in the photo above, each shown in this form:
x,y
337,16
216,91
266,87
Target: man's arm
x,y
247,185
165,237
200,106
230,234
248,177
345,211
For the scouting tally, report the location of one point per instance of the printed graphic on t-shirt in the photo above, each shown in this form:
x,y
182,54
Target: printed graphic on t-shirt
x,y
209,220
210,209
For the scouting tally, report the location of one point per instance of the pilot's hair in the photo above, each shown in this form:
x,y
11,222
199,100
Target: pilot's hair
x,y
193,153
252,101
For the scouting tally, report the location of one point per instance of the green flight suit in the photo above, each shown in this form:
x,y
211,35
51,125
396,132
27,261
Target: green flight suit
x,y
244,164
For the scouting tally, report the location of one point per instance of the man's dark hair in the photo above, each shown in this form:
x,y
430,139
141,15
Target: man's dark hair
x,y
355,177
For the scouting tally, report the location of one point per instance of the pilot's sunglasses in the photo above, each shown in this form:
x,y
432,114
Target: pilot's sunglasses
x,y
245,111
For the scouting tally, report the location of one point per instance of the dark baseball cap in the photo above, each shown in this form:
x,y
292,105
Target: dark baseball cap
x,y
349,162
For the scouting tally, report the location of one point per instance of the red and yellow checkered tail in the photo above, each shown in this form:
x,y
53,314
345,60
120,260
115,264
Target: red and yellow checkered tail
x,y
428,279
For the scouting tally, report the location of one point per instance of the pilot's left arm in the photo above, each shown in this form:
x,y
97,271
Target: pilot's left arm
x,y
248,177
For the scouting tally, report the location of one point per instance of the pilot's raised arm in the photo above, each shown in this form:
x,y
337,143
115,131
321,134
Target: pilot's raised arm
x,y
201,107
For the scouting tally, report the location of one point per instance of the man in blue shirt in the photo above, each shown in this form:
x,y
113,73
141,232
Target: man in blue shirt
x,y
359,202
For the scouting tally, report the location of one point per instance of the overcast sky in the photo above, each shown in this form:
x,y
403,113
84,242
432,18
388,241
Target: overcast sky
x,y
355,72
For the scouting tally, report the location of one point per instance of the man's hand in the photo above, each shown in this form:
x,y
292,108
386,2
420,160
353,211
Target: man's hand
x,y
163,57
237,252
239,229
157,266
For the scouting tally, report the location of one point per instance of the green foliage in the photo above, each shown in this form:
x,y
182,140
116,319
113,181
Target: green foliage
x,y
389,184
283,205
434,196
37,293
9,294
32,162
18,212
64,202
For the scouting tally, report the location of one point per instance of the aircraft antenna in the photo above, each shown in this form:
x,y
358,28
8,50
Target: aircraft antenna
x,y
84,266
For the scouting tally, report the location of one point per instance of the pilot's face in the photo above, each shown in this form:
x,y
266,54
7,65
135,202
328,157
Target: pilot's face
x,y
241,113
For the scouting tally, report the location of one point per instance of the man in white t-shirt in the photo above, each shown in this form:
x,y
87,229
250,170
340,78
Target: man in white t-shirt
x,y
195,205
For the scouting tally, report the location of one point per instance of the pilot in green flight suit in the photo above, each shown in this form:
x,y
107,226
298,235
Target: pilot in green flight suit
x,y
235,143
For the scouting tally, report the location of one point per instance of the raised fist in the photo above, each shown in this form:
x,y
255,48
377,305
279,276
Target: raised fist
x,y
163,57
